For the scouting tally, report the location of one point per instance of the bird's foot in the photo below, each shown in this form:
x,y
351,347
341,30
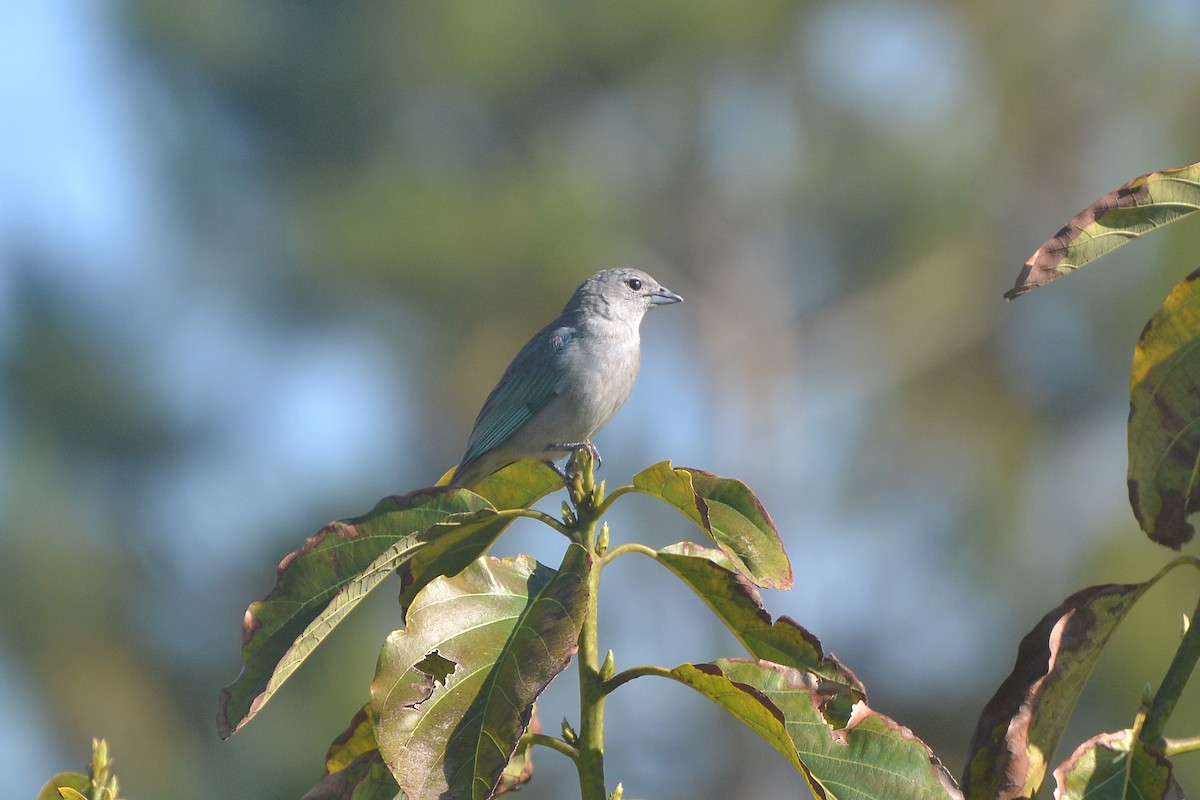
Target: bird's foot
x,y
579,477
585,445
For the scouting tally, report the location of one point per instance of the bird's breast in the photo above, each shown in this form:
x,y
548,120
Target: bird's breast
x,y
604,374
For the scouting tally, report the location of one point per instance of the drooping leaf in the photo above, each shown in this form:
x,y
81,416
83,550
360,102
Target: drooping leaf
x,y
1164,418
279,631
843,749
868,756
422,534
1138,207
1104,768
454,691
1021,725
748,705
728,512
711,575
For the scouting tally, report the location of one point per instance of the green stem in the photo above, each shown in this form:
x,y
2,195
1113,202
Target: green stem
x,y
1174,747
621,678
554,744
629,547
1172,686
533,513
590,746
608,501
591,700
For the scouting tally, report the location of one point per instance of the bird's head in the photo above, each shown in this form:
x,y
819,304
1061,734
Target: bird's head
x,y
622,294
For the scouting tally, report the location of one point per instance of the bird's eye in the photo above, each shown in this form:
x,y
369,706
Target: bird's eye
x,y
634,283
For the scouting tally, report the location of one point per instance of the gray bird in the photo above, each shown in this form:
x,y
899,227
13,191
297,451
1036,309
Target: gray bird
x,y
568,380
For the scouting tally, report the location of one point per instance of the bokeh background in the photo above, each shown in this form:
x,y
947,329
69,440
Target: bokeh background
x,y
261,262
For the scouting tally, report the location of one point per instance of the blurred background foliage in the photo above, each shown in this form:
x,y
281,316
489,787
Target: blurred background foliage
x,y
261,262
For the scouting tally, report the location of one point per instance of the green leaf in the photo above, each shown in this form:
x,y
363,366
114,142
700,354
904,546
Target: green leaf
x,y
1104,768
710,574
281,630
520,767
748,705
1164,418
867,757
454,691
55,788
98,784
1116,219
1021,725
354,768
518,485
423,534
864,756
727,511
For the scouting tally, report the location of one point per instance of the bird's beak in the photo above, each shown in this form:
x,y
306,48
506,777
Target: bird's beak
x,y
664,296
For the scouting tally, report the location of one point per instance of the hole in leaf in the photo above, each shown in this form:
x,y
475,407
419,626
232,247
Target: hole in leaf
x,y
436,667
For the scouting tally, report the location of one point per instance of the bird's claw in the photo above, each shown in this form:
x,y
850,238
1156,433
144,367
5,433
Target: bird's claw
x,y
568,472
588,446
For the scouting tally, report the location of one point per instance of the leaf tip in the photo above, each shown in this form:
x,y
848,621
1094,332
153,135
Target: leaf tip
x,y
224,728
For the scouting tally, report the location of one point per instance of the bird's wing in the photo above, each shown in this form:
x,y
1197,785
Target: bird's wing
x,y
533,379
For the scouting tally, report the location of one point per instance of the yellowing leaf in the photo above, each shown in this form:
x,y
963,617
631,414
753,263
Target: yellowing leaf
x,y
1164,417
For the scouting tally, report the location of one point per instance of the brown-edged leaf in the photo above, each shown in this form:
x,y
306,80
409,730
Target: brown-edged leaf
x,y
364,778
1021,725
728,512
520,767
844,750
1164,418
711,575
745,703
354,768
1138,207
279,632
423,534
1104,768
860,756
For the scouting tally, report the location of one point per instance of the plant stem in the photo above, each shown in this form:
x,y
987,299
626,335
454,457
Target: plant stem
x,y
557,745
1172,685
1174,747
608,501
591,700
626,676
590,746
533,513
629,547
